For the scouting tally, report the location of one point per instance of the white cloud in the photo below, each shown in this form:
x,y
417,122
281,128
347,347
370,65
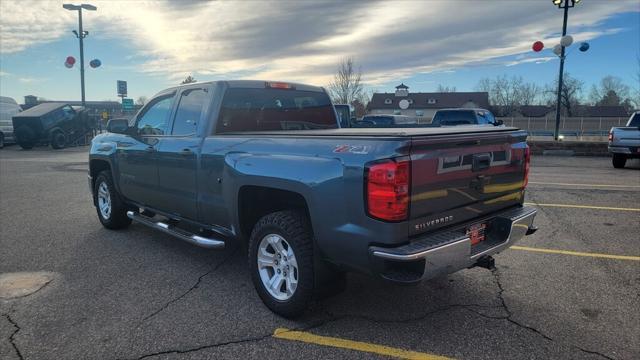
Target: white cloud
x,y
304,41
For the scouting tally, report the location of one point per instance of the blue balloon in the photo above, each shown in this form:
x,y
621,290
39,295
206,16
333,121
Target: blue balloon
x,y
95,63
584,47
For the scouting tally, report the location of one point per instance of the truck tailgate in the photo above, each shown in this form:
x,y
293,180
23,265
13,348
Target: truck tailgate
x,y
456,178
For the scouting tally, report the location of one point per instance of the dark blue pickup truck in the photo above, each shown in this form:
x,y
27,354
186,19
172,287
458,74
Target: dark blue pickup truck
x,y
265,163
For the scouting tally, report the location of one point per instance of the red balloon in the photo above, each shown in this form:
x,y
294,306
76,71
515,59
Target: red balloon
x,y
537,46
71,60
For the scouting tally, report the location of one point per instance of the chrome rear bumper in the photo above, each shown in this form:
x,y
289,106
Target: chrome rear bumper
x,y
451,250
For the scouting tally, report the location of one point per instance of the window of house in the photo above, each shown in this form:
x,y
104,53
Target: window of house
x,y
189,111
431,101
419,112
387,101
410,101
155,117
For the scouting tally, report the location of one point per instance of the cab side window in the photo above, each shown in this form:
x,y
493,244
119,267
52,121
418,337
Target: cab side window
x,y
189,111
154,120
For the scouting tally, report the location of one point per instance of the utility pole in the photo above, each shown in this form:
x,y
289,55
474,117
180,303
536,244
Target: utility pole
x,y
80,34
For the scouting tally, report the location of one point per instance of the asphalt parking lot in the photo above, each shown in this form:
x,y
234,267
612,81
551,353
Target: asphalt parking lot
x,y
569,291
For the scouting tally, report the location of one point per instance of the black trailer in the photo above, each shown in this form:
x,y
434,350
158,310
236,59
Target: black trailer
x,y
58,124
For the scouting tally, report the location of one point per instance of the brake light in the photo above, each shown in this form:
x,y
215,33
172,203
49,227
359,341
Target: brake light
x,y
387,190
610,137
527,166
278,85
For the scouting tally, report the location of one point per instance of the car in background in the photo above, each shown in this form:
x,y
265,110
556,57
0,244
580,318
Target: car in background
x,y
463,116
385,120
58,124
345,115
8,108
624,142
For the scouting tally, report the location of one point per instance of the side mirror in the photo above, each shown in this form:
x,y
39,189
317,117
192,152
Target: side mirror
x,y
118,126
498,123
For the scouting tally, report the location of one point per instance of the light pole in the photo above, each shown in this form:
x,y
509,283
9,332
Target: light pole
x,y
565,5
80,34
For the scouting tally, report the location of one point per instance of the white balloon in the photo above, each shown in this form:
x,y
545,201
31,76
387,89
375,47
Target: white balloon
x,y
557,49
566,40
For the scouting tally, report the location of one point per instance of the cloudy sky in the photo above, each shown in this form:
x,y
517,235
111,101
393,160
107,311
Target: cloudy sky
x,y
155,44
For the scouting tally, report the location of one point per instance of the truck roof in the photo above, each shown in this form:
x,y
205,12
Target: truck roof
x,y
40,110
255,84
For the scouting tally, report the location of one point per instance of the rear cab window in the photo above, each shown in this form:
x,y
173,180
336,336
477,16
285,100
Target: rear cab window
x,y
455,117
635,120
268,109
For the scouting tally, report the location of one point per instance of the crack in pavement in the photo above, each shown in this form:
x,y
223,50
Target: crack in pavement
x,y
12,336
510,319
193,287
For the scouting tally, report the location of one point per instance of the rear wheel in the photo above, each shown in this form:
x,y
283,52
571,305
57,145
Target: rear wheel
x,y
281,262
619,161
58,140
112,211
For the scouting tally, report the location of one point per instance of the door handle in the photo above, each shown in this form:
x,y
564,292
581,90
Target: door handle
x,y
185,152
150,149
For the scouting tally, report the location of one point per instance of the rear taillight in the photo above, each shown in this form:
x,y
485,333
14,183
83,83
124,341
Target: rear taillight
x,y
387,189
610,137
527,166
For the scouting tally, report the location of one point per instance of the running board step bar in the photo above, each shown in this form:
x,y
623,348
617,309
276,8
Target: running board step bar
x,y
177,232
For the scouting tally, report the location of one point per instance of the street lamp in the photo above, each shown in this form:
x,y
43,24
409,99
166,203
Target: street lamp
x,y
80,34
565,5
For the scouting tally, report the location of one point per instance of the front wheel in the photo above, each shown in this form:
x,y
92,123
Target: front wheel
x,y
112,211
281,262
619,161
58,140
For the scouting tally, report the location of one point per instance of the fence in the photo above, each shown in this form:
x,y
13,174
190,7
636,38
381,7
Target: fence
x,y
569,126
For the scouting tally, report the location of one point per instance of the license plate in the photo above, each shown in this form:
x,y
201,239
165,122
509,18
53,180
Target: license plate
x,y
476,233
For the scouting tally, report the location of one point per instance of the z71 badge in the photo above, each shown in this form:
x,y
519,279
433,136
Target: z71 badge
x,y
353,149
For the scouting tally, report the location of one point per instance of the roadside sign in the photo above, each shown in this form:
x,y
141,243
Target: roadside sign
x,y
122,88
105,115
127,104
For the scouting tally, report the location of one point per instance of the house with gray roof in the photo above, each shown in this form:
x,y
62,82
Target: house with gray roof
x,y
423,105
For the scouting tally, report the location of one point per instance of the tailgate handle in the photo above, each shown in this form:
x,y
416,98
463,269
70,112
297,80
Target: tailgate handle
x,y
481,162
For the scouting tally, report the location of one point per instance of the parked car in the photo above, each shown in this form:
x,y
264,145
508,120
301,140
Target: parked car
x,y
462,116
265,163
53,123
624,142
386,120
345,115
8,108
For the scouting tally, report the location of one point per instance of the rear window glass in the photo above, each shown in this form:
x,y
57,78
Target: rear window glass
x,y
379,120
454,118
274,109
635,121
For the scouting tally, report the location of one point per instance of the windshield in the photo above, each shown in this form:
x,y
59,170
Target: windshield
x,y
344,114
455,117
275,109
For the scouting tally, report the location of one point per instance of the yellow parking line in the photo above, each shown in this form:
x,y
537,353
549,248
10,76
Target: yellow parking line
x,y
593,185
353,345
576,253
584,207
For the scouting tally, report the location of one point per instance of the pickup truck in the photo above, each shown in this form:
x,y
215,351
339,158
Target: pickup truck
x,y
624,142
464,116
265,164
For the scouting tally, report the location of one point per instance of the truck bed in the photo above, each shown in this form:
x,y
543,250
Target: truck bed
x,y
380,132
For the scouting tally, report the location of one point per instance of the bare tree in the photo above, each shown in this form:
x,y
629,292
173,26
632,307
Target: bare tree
x,y
446,89
141,100
346,86
188,80
508,94
569,96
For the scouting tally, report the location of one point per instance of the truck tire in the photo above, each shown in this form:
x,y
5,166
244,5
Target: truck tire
x,y
1,140
58,140
281,262
619,160
25,137
112,211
